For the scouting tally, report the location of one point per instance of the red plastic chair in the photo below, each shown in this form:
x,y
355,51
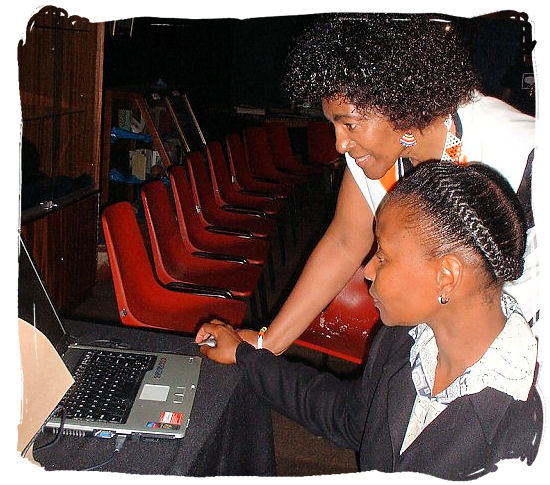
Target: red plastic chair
x,y
241,174
211,214
176,266
198,239
321,144
283,156
345,328
321,147
260,158
142,301
227,194
229,198
173,261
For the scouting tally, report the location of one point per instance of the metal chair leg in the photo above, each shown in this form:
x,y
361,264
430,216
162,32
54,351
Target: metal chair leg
x,y
263,301
271,269
291,219
254,313
281,236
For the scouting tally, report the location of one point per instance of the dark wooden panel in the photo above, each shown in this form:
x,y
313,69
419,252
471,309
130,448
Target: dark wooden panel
x,y
60,80
63,245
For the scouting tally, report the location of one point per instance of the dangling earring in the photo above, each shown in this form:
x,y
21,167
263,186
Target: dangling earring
x,y
453,145
442,300
407,140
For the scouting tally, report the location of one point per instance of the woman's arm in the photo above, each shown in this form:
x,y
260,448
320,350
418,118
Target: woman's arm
x,y
330,266
326,405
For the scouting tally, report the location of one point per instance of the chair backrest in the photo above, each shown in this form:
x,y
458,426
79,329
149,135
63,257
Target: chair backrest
x,y
346,327
201,184
221,177
142,301
164,235
258,152
321,142
128,258
186,209
241,171
238,166
281,147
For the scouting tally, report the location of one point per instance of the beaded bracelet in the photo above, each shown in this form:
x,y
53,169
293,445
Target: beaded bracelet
x,y
261,334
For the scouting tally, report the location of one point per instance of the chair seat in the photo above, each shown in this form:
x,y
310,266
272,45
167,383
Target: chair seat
x,y
240,279
171,310
236,200
255,251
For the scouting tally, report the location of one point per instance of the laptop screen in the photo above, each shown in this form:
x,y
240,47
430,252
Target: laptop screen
x,y
34,303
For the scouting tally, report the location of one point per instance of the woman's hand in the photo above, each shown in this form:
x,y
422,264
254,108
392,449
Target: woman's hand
x,y
250,336
227,341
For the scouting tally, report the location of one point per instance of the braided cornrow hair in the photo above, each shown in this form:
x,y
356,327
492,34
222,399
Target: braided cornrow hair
x,y
471,209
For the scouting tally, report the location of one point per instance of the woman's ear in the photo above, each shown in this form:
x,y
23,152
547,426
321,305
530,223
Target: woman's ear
x,y
449,274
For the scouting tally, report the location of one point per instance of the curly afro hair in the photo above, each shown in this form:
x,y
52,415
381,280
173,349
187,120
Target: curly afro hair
x,y
410,70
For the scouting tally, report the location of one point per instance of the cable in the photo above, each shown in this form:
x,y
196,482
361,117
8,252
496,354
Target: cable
x,y
56,439
119,443
59,431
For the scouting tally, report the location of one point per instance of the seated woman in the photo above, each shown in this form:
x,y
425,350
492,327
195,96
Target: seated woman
x,y
449,385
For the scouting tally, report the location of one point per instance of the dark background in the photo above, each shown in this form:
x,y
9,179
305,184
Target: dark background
x,y
221,63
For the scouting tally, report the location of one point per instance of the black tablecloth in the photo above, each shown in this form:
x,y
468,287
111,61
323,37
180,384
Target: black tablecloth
x,y
230,430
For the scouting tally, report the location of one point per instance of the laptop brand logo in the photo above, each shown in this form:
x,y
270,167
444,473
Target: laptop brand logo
x,y
160,368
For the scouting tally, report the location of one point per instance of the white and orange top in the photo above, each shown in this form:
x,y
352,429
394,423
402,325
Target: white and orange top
x,y
494,133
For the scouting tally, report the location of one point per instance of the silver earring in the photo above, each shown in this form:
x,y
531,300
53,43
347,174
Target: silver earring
x,y
442,300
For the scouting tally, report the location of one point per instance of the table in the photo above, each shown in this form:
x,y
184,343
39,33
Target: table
x,y
230,430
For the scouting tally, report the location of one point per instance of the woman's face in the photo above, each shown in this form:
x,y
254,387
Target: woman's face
x,y
371,140
404,279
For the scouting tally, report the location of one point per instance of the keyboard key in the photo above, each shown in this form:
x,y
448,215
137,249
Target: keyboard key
x,y
106,384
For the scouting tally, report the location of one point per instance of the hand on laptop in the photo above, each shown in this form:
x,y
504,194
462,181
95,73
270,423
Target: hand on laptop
x,y
227,341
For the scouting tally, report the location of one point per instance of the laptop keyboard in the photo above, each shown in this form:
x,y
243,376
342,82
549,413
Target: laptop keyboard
x,y
106,384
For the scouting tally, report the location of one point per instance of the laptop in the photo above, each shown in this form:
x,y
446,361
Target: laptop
x,y
117,391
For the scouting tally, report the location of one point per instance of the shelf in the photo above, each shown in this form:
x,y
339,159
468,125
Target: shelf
x,y
51,206
60,84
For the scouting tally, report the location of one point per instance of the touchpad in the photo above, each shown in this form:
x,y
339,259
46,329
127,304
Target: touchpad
x,y
152,392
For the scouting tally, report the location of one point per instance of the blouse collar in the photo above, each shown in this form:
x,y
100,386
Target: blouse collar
x,y
508,365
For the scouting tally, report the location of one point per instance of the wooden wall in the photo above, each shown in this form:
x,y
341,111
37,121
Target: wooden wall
x,y
60,75
63,245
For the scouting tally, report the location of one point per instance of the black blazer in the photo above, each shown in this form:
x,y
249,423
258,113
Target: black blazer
x,y
371,414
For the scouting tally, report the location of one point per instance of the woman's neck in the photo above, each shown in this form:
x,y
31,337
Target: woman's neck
x,y
463,335
430,142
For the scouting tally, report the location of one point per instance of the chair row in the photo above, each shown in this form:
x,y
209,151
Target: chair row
x,y
209,238
345,328
209,235
142,300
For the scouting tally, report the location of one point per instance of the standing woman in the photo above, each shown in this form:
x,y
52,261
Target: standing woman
x,y
398,92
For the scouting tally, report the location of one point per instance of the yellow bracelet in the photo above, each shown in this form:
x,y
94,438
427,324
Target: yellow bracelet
x,y
261,334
